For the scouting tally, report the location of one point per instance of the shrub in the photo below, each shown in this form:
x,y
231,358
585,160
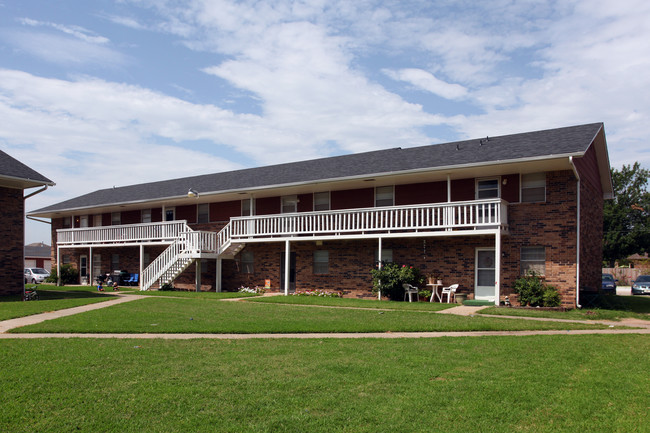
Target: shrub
x,y
69,275
167,287
389,279
533,292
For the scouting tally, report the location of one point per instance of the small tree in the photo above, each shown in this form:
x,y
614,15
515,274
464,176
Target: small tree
x,y
390,277
532,291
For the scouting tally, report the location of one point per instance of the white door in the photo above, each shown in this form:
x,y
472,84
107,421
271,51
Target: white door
x,y
83,269
485,279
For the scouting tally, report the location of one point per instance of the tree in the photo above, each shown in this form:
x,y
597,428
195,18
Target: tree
x,y
626,223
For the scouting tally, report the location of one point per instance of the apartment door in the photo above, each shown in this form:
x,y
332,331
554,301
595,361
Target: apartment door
x,y
83,270
292,272
485,278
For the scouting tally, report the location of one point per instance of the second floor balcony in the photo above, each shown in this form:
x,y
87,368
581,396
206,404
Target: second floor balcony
x,y
488,214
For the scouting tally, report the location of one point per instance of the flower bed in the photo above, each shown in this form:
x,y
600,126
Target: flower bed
x,y
257,290
317,292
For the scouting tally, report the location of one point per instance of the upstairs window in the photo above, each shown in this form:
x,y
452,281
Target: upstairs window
x,y
321,201
97,220
487,188
67,222
246,207
203,211
83,221
533,259
116,218
321,262
384,196
170,214
289,203
533,187
145,215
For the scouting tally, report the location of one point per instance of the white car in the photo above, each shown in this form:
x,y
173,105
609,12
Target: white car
x,y
35,275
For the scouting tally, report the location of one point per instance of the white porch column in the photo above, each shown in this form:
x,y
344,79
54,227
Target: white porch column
x,y
141,268
217,284
497,267
90,266
287,267
379,261
448,188
198,274
58,265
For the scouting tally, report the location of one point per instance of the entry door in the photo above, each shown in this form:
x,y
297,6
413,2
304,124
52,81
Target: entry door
x,y
83,269
292,272
485,279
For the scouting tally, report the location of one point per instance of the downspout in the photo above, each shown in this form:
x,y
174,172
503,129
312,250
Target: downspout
x,y
577,175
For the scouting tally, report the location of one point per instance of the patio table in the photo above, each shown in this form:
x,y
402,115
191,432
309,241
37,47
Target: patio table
x,y
434,292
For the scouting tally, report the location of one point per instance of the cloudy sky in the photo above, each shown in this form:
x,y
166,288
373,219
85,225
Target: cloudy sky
x,y
101,93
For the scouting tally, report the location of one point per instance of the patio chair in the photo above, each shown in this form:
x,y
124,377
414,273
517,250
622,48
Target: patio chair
x,y
133,280
409,290
451,290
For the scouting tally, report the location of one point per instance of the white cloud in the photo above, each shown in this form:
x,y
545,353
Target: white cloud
x,y
427,81
76,31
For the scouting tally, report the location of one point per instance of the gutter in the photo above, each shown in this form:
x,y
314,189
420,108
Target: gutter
x,y
577,175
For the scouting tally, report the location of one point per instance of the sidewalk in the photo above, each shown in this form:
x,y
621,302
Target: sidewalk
x,y
462,310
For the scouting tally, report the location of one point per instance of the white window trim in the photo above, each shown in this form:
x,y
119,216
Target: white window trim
x,y
521,188
173,211
483,179
392,189
288,200
198,213
329,200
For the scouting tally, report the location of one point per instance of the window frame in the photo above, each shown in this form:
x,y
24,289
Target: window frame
x,y
526,263
382,201
497,180
145,216
321,262
289,203
116,218
205,215
323,206
525,187
247,260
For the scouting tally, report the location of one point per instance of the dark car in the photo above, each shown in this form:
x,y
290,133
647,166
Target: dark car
x,y
641,286
609,283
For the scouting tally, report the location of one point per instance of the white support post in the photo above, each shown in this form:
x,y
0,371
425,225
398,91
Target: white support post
x,y
141,265
58,265
379,261
448,188
287,267
497,267
90,266
198,274
217,285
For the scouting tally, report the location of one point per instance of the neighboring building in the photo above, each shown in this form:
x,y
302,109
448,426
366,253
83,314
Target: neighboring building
x,y
38,255
476,212
15,178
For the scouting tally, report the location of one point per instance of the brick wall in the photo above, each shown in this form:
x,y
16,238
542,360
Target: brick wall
x,y
12,233
591,236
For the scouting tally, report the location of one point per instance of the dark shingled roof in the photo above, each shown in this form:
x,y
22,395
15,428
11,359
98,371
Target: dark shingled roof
x,y
561,141
12,168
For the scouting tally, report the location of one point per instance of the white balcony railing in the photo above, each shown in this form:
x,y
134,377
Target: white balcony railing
x,y
127,233
477,214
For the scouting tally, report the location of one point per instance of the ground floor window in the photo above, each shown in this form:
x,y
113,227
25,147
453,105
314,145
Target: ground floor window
x,y
321,262
247,262
533,259
115,262
386,256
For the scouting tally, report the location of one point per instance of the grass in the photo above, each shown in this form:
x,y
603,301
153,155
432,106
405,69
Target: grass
x,y
594,383
608,307
167,315
194,295
354,303
51,298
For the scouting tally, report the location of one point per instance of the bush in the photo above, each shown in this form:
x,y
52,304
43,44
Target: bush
x,y
69,275
389,279
533,292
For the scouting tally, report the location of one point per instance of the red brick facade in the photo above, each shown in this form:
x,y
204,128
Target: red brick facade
x,y
12,233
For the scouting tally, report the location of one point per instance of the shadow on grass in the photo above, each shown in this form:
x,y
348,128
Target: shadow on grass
x,y
47,293
632,304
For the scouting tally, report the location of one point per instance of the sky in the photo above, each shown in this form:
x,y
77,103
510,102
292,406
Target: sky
x,y
95,94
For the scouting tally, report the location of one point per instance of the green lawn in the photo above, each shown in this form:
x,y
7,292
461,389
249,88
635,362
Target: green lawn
x,y
591,383
355,303
609,307
51,298
168,315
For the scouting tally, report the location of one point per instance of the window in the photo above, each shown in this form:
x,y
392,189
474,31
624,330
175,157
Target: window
x,y
533,187
116,218
97,220
247,262
67,222
384,196
115,262
170,214
145,215
321,201
386,256
246,207
533,259
289,203
487,188
83,221
203,213
321,262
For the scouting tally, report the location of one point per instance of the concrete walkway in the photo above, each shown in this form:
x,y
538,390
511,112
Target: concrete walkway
x,y
643,327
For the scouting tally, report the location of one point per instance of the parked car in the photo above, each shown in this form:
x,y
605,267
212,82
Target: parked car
x,y
641,286
609,283
35,275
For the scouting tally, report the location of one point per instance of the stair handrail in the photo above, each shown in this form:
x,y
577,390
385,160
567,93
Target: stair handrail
x,y
162,263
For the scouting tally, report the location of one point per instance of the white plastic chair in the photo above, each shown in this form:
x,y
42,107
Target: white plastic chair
x,y
451,290
410,290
